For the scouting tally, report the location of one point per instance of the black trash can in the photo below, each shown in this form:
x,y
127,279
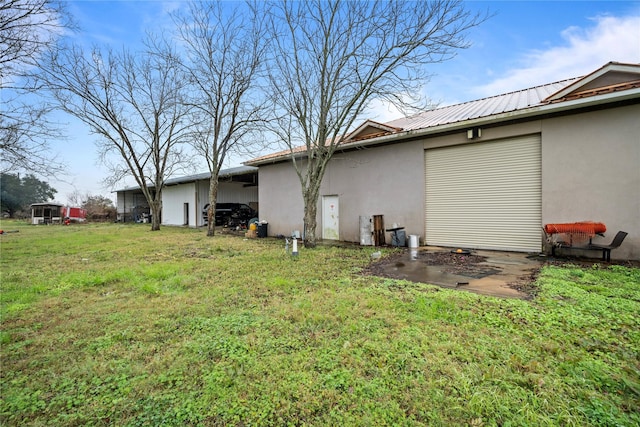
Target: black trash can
x,y
398,238
262,229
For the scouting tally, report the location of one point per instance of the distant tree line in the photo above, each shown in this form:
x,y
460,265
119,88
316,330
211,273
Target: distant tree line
x,y
17,193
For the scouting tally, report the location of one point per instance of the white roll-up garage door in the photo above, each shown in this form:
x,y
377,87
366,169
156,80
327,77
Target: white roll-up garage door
x,y
485,195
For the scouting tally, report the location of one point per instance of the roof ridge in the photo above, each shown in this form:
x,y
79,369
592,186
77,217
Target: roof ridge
x,y
571,79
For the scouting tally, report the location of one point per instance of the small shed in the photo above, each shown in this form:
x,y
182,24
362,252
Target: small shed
x,y
46,213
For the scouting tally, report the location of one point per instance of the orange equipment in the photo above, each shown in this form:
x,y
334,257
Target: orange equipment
x,y
576,231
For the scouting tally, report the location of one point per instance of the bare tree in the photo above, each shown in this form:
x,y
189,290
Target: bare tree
x,y
99,208
28,28
332,58
76,198
225,48
25,131
133,101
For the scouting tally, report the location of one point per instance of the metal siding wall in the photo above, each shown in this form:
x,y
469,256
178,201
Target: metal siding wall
x,y
228,193
173,200
120,202
236,193
485,195
202,201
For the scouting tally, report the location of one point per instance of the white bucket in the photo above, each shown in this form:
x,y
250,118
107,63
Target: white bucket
x,y
414,240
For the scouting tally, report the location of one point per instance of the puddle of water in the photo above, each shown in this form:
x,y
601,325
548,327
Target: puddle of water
x,y
491,277
502,262
416,271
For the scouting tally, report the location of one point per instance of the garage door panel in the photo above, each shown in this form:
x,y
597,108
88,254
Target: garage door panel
x,y
485,195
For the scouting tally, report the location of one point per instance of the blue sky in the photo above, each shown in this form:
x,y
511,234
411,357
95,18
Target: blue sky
x,y
524,44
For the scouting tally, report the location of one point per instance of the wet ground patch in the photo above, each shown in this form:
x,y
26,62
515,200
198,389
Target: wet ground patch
x,y
503,274
396,264
478,271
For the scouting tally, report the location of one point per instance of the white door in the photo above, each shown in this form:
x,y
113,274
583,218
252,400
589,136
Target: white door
x,y
330,218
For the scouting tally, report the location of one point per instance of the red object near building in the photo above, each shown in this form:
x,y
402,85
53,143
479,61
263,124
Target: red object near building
x,y
74,214
585,227
575,232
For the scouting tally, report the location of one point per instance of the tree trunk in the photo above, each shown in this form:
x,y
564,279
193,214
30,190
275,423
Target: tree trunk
x,y
156,209
211,212
310,197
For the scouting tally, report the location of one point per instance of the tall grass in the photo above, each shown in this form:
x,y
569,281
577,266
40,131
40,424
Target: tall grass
x,y
116,325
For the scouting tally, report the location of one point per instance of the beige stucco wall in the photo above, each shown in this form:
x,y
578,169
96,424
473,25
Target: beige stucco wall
x,y
385,181
591,171
280,199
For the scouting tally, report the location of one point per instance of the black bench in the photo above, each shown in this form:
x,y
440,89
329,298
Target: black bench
x,y
606,249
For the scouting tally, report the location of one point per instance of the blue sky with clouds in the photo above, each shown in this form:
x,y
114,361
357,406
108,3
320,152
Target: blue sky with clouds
x,y
523,44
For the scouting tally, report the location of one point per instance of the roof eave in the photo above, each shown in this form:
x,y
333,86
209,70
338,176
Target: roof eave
x,y
609,67
530,112
278,159
225,173
47,204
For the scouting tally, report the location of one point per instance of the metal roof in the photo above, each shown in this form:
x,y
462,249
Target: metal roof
x,y
485,107
622,83
47,204
224,173
188,178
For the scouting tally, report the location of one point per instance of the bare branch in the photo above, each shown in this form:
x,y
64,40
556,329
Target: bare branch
x,y
331,59
28,29
225,51
134,103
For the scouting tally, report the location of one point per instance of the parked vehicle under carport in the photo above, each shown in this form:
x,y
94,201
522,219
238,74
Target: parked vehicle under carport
x,y
231,214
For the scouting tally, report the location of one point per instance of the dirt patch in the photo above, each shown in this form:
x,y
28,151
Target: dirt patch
x,y
462,265
468,265
459,270
527,283
474,266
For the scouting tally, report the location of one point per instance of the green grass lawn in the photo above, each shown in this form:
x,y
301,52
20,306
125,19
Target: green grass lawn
x,y
116,325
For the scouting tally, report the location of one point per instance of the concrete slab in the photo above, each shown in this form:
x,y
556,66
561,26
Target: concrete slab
x,y
495,275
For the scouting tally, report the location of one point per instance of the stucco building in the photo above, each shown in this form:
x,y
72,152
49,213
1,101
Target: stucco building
x,y
485,174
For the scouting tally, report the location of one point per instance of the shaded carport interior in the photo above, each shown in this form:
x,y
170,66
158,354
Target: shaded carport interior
x,y
132,205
